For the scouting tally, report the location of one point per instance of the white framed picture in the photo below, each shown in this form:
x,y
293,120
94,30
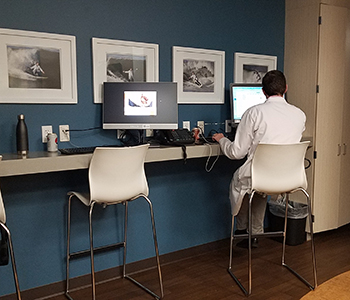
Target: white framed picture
x,y
37,67
251,68
123,61
200,75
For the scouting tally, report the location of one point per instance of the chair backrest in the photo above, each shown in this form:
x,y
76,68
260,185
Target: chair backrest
x,y
279,168
2,211
117,174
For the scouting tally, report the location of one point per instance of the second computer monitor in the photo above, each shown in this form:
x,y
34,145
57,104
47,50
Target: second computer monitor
x,y
244,96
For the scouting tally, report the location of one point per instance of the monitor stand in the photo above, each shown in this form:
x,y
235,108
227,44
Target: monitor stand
x,y
153,143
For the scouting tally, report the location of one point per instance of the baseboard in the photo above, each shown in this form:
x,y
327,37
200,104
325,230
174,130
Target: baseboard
x,y
58,288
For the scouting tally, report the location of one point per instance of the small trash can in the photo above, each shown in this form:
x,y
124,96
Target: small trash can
x,y
297,214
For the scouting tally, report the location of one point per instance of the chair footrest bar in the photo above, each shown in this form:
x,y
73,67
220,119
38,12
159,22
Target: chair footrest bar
x,y
82,253
238,282
299,276
260,235
143,287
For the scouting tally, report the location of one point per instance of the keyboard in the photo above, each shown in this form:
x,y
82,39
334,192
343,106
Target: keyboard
x,y
78,150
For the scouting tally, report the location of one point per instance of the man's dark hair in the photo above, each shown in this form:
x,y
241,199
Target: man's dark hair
x,y
274,83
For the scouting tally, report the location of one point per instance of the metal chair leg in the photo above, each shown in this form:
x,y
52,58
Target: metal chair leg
x,y
312,241
68,247
157,258
125,237
93,280
231,243
285,229
312,287
250,229
91,250
156,248
245,291
13,263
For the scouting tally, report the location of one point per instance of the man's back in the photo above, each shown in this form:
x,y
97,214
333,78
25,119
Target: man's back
x,y
273,122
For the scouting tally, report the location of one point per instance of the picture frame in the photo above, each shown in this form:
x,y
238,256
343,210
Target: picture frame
x,y
37,67
200,75
124,61
251,68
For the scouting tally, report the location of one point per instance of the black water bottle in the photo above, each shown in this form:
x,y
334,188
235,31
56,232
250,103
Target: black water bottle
x,y
22,136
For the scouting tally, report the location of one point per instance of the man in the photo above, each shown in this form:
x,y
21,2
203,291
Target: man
x,y
273,122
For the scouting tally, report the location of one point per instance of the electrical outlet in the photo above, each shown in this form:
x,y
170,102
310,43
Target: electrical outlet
x,y
187,125
228,125
45,130
200,124
64,133
149,132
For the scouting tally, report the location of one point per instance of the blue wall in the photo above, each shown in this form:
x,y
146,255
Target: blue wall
x,y
191,205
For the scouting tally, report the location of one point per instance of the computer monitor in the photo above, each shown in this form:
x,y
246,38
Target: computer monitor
x,y
244,96
140,105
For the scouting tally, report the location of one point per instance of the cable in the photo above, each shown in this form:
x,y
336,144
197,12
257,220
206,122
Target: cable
x,y
87,129
207,143
208,159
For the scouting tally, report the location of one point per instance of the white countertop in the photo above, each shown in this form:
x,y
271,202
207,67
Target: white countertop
x,y
44,162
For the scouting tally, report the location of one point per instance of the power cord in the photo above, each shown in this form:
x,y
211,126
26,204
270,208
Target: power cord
x,y
208,169
85,129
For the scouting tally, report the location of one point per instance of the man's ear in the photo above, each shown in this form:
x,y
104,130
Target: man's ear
x,y
264,93
286,89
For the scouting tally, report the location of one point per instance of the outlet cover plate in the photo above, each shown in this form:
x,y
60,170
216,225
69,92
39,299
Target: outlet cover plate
x,y
45,130
64,135
187,125
200,124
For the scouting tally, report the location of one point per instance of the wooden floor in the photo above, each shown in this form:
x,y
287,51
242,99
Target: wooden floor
x,y
205,276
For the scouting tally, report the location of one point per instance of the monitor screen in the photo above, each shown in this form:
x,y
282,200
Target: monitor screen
x,y
244,96
140,105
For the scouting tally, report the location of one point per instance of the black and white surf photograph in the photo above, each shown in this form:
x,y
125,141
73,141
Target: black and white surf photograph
x,y
254,73
198,76
33,67
125,68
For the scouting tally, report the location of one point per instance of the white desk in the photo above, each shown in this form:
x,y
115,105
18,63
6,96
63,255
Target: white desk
x,y
44,162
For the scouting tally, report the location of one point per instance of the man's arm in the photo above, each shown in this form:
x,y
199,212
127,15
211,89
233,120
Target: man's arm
x,y
239,148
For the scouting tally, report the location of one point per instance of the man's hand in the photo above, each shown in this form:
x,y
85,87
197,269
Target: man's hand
x,y
217,137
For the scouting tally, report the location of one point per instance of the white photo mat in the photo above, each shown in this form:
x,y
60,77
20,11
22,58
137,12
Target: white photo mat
x,y
250,68
20,51
103,48
206,87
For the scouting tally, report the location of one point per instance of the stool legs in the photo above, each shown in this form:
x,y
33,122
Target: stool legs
x,y
312,287
109,247
283,233
249,236
156,250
